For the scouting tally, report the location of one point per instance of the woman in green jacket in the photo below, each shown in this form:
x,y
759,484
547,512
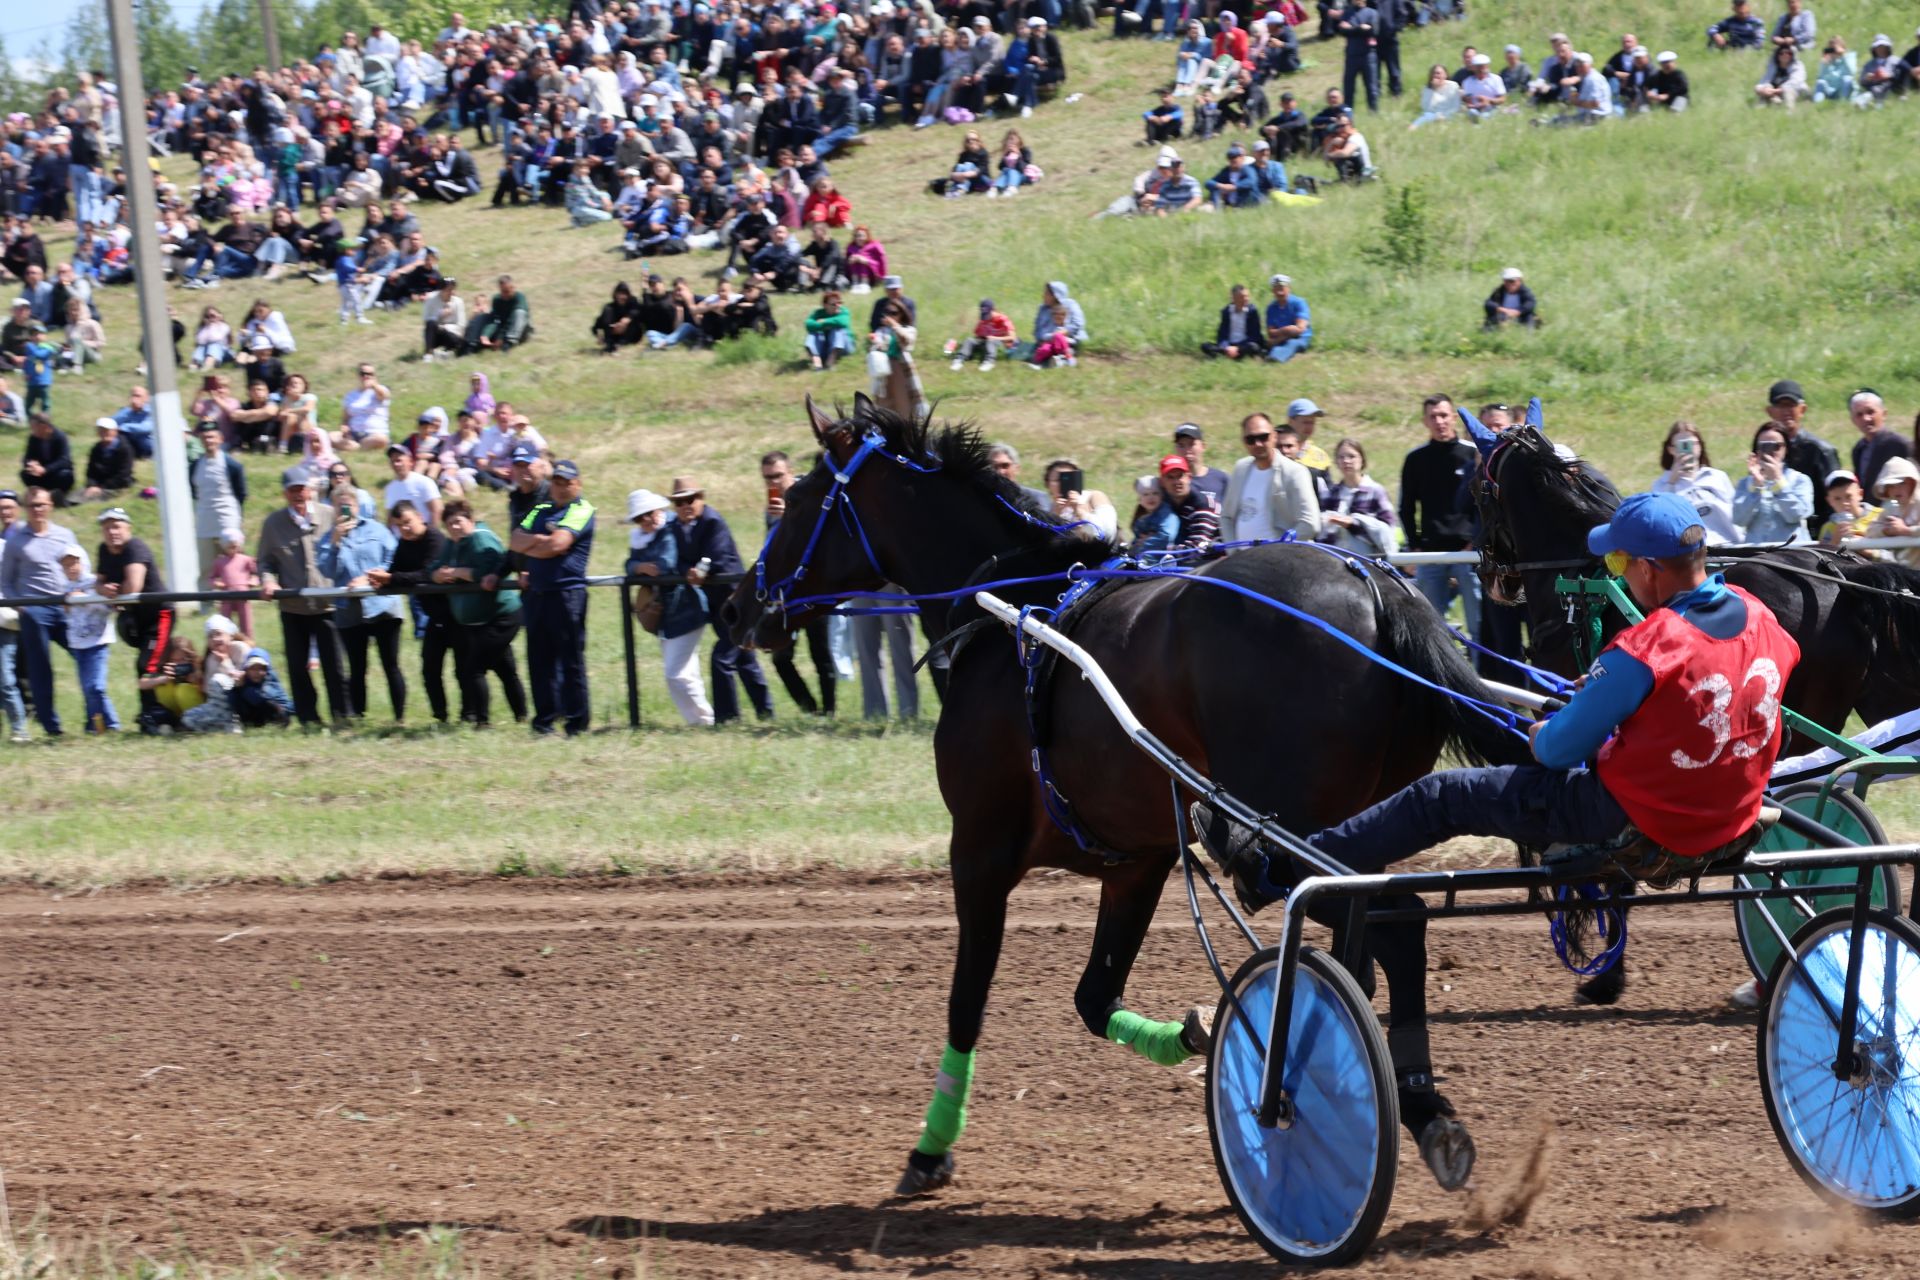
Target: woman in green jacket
x,y
485,621
829,331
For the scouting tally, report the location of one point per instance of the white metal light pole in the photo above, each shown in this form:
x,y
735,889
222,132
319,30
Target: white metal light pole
x,y
169,423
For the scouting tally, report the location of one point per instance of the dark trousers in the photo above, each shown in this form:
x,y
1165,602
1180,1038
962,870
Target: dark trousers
x,y
153,649
820,649
305,632
1501,630
436,642
384,634
1362,64
1387,54
42,626
482,648
1529,803
729,660
557,657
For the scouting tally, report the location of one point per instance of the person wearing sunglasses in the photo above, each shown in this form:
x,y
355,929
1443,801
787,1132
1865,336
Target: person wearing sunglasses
x,y
1772,501
1268,494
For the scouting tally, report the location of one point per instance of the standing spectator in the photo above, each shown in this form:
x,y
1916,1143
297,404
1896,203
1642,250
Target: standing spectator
x,y
1806,453
898,387
10,675
219,485
654,553
1289,321
234,570
776,472
420,547
1686,472
1356,512
1005,461
32,566
555,541
124,566
1358,23
1434,512
410,486
1876,445
1303,418
1190,442
1198,510
484,621
869,630
89,634
1511,302
348,555
1238,333
1773,502
48,460
1268,495
1059,327
701,535
289,554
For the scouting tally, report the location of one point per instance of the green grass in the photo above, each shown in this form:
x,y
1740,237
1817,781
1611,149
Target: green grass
x,y
1682,264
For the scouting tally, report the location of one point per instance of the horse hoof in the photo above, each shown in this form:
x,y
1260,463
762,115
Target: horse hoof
x,y
1448,1149
925,1175
1603,988
1196,1031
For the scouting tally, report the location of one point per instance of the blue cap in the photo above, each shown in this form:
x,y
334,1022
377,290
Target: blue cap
x,y
564,470
524,453
1303,408
1651,526
257,655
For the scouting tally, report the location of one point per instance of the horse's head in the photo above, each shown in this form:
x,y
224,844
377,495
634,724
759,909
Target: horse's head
x,y
1535,502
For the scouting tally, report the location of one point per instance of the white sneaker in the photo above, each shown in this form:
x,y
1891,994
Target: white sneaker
x,y
1748,995
993,193
1056,362
957,365
986,366
365,320
1026,113
1013,100
426,357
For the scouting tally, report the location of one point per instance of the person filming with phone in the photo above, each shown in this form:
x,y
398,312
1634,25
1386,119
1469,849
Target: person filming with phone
x,y
1686,473
1772,501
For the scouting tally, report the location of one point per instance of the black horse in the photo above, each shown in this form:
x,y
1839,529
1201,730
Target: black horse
x,y
1275,711
1857,622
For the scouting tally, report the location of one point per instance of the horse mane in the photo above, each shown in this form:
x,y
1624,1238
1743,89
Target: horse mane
x,y
959,449
1577,485
1897,616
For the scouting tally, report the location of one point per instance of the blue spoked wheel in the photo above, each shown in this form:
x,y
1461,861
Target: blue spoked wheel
x,y
1314,1189
1847,814
1854,1139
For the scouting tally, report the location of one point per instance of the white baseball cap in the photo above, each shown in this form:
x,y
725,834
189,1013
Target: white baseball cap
x,y
1511,273
1666,55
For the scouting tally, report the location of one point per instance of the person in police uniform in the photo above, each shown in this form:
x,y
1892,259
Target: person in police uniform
x,y
555,541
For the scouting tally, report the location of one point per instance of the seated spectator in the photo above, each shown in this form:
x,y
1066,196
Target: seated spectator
x,y
1173,192
258,700
86,340
1515,73
1193,59
670,318
443,320
212,340
1016,166
1237,186
776,265
1850,516
1771,502
1355,511
1440,99
587,204
1059,327
1288,132
1238,335
1511,302
971,171
300,414
1347,151
1785,81
1155,524
1883,77
829,331
1835,82
618,324
993,334
174,684
1164,123
1482,93
1795,29
822,265
866,260
1289,322
1590,98
364,414
1686,470
109,464
825,204
47,462
256,422
1740,30
1325,120
505,324
1668,87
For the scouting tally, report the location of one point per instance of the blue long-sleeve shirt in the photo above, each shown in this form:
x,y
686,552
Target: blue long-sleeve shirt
x,y
367,546
1617,684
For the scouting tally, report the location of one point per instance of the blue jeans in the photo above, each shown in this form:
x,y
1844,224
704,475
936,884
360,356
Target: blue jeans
x,y
1287,350
1440,583
233,264
41,627
92,664
1009,179
835,139
658,340
16,706
1528,803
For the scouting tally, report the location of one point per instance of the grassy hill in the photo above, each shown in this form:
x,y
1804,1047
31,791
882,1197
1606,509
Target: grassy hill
x,y
1682,264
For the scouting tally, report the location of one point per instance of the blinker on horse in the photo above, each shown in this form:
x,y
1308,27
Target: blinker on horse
x,y
898,500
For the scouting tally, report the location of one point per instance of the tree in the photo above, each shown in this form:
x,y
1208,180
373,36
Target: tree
x,y
16,94
166,50
85,46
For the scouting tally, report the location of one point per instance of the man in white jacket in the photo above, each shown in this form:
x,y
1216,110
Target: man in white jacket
x,y
1268,494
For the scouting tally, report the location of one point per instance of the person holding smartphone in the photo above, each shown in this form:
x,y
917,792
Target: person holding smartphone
x,y
1685,472
1772,501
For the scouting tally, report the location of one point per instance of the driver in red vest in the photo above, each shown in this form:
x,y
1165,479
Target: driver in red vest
x,y
1680,715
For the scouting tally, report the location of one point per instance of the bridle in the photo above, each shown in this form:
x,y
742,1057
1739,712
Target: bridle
x,y
1500,569
773,596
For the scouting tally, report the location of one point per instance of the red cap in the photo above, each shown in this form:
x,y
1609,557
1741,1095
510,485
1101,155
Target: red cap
x,y
1174,462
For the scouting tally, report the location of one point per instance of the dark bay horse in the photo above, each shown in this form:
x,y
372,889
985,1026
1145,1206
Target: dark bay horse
x,y
1857,622
1274,710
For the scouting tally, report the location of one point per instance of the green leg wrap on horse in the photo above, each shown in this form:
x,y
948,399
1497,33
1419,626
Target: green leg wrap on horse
x,y
947,1113
1155,1041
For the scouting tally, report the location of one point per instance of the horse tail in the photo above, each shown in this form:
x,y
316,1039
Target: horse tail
x,y
1416,639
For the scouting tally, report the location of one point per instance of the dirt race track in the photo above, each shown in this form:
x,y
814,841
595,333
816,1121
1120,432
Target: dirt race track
x,y
722,1078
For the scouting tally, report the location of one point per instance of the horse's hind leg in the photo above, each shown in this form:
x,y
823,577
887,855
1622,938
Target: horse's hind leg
x,y
981,885
1129,894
